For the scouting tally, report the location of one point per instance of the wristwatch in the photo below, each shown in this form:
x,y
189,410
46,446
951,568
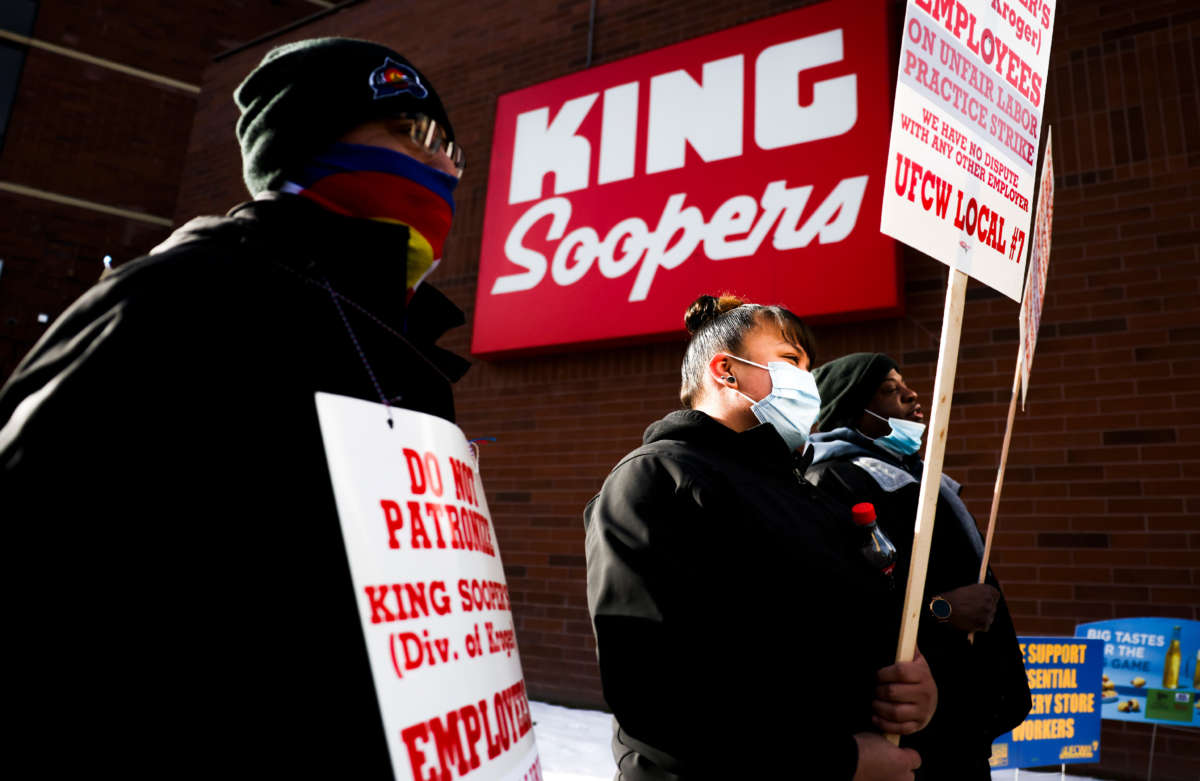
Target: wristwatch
x,y
939,608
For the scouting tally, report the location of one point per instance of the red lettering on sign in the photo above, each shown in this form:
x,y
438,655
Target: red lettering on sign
x,y
420,538
408,600
449,745
434,512
416,470
435,474
393,519
464,481
455,736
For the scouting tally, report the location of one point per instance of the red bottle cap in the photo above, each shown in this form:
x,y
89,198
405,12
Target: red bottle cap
x,y
864,513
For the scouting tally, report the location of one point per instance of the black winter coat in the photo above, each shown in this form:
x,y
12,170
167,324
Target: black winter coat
x,y
738,628
177,594
982,688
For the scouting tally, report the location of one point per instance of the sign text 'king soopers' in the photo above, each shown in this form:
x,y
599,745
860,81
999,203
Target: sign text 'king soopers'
x,y
749,160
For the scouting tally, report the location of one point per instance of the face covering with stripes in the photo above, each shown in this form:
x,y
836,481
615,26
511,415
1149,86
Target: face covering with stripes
x,y
389,186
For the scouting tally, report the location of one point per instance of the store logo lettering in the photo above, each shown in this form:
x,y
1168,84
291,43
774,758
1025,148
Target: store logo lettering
x,y
708,116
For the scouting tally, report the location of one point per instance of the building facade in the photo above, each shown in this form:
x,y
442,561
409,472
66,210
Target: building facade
x,y
1101,511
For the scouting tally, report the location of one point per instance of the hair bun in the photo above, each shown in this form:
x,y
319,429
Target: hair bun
x,y
705,309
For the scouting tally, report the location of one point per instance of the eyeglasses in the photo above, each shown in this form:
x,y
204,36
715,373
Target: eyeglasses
x,y
430,136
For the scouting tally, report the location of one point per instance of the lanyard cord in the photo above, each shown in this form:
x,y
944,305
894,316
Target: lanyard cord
x,y
339,297
358,347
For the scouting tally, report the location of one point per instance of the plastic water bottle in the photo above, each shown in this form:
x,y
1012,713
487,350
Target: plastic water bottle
x,y
877,549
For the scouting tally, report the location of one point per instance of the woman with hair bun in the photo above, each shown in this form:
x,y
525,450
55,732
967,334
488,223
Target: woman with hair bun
x,y
739,631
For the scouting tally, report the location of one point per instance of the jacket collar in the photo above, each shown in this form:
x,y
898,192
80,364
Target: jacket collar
x,y
844,442
363,260
760,444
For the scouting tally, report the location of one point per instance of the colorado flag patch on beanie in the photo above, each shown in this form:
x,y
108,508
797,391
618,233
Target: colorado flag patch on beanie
x,y
392,78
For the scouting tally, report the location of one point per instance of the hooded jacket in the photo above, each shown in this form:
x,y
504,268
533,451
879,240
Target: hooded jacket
x,y
982,687
738,628
177,587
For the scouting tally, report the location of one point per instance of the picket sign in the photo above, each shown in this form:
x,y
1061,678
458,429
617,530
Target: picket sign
x,y
433,601
1030,320
931,475
966,126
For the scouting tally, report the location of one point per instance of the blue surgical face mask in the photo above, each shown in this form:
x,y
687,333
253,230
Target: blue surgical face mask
x,y
791,406
905,438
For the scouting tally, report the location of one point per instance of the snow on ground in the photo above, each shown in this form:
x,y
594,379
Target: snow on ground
x,y
574,746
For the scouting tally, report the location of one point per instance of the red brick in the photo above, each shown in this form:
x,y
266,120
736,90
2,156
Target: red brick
x,y
1124,557
1188,596
1036,591
1071,574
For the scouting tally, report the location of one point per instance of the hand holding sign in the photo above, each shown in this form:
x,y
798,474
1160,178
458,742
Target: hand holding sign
x,y
965,129
972,608
905,698
879,760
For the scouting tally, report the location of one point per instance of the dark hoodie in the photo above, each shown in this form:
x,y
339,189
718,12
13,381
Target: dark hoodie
x,y
178,598
738,628
982,688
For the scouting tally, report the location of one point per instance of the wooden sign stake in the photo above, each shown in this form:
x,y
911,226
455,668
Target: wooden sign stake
x,y
931,476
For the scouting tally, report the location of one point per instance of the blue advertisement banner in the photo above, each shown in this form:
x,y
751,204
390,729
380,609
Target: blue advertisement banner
x,y
1150,669
1063,727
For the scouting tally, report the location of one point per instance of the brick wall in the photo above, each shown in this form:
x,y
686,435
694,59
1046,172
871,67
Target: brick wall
x,y
1099,518
88,132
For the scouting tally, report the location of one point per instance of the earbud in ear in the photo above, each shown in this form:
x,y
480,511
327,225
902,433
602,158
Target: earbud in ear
x,y
729,379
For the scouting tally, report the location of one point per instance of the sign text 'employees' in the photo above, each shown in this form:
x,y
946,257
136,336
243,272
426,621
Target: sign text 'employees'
x,y
962,23
645,181
468,529
452,745
970,91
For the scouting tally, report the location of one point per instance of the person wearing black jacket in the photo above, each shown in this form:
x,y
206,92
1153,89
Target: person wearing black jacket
x,y
871,424
740,633
178,599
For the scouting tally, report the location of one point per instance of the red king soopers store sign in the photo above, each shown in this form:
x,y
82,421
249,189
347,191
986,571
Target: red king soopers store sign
x,y
749,160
